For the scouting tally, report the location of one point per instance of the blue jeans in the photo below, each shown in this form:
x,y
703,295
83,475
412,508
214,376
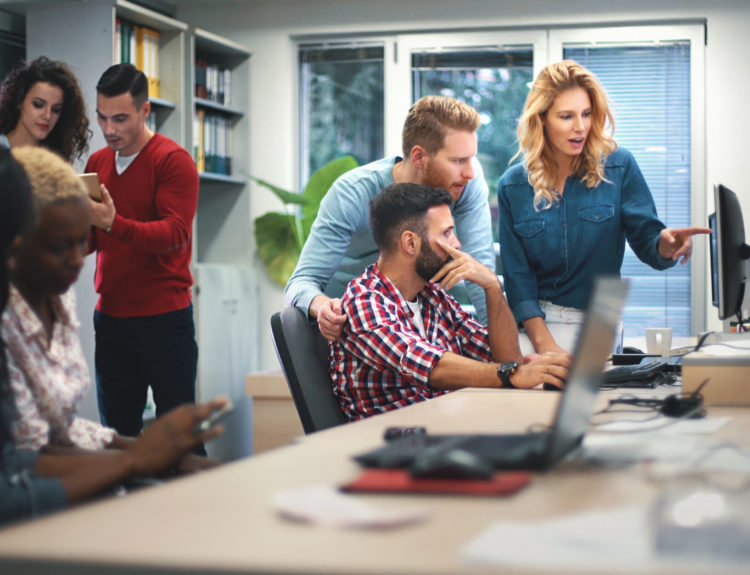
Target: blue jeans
x,y
135,353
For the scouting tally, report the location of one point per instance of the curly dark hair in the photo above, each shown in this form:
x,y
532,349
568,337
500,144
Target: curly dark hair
x,y
70,136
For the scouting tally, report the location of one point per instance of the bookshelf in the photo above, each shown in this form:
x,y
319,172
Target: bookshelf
x,y
219,127
83,34
167,83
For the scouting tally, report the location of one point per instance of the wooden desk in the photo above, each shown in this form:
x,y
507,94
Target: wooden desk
x,y
222,521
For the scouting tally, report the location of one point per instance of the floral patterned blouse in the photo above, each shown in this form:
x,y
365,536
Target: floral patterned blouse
x,y
49,378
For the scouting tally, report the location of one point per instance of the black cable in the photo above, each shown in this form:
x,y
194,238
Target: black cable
x,y
702,340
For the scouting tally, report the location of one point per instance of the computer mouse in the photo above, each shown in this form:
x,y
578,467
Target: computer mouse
x,y
551,387
452,463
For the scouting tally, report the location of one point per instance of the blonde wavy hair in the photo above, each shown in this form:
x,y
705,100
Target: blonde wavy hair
x,y
52,178
533,145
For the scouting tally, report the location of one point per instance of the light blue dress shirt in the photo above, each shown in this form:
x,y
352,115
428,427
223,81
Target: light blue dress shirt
x,y
341,246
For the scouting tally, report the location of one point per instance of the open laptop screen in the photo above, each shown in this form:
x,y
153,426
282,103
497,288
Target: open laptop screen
x,y
584,380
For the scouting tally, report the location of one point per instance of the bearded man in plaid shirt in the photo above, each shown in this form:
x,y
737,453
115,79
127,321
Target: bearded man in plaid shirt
x,y
405,338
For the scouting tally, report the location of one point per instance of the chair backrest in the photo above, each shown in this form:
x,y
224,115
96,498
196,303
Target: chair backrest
x,y
303,355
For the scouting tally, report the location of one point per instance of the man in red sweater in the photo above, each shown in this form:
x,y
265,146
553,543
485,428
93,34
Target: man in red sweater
x,y
145,335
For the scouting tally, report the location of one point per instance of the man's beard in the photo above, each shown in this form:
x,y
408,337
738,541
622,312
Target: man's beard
x,y
429,262
435,179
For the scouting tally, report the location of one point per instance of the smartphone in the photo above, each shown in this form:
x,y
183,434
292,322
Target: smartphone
x,y
91,182
214,418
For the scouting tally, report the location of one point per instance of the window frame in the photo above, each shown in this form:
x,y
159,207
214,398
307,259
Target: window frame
x,y
398,76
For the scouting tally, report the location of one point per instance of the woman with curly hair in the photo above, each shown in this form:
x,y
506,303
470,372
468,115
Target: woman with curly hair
x,y
567,209
41,105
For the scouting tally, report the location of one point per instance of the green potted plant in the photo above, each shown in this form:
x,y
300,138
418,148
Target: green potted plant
x,y
280,236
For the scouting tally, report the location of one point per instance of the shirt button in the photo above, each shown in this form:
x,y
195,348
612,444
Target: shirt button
x,y
596,217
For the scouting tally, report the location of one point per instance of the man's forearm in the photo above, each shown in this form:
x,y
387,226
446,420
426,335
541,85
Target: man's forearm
x,y
453,371
501,327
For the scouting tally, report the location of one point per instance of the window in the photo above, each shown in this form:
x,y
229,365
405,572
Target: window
x,y
654,78
341,104
493,80
649,87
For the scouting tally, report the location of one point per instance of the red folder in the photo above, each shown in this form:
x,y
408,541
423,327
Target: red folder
x,y
400,481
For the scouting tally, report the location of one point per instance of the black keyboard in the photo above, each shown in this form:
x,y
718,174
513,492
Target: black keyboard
x,y
646,374
503,450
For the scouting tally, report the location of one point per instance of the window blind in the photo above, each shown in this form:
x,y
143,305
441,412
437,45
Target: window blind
x,y
649,89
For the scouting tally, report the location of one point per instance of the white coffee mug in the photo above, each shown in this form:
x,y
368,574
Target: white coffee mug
x,y
617,341
659,341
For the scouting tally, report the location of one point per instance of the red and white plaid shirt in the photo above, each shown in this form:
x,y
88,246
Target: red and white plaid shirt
x,y
381,362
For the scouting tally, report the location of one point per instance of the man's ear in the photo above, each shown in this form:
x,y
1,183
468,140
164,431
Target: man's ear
x,y
418,155
411,243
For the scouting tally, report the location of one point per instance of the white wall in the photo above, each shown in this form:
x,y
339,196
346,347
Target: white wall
x,y
266,27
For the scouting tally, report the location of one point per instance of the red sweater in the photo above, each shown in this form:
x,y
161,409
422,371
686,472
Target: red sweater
x,y
143,263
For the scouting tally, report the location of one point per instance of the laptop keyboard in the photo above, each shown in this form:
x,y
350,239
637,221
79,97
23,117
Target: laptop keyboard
x,y
503,451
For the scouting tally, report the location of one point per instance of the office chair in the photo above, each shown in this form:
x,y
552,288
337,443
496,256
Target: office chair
x,y
303,355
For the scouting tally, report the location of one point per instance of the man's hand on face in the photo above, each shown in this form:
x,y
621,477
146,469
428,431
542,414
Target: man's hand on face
x,y
463,267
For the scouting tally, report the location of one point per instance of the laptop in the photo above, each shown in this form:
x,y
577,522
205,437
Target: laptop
x,y
534,451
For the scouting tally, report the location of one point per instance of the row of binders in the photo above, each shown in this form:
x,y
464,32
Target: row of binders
x,y
139,46
213,83
212,136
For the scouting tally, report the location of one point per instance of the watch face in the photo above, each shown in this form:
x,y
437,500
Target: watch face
x,y
509,367
505,370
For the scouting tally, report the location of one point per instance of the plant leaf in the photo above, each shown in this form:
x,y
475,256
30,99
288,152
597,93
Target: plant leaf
x,y
318,186
276,239
284,195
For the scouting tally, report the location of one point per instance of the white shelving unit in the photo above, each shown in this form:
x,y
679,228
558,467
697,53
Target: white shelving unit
x,y
223,226
226,292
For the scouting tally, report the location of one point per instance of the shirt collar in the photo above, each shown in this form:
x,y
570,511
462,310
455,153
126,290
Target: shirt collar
x,y
429,292
29,322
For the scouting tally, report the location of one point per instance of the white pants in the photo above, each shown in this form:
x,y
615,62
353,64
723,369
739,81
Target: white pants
x,y
564,323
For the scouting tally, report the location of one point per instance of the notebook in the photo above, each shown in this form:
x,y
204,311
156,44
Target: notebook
x,y
535,451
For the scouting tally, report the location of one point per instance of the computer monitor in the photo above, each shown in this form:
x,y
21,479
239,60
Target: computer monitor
x,y
728,254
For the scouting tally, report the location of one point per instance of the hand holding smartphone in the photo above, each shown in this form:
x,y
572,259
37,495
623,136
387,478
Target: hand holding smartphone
x,y
91,182
214,418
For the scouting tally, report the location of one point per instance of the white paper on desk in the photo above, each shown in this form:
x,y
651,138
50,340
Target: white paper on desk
x,y
665,425
578,542
324,505
628,447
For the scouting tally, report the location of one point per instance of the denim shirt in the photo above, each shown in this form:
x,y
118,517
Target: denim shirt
x,y
341,246
553,254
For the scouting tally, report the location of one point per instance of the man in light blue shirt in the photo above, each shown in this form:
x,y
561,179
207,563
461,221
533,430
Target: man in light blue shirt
x,y
439,145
